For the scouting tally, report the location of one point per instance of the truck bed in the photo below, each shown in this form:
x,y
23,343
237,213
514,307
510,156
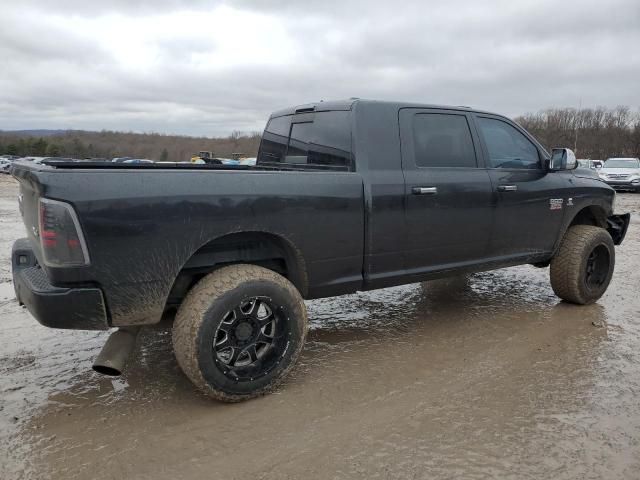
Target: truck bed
x,y
143,227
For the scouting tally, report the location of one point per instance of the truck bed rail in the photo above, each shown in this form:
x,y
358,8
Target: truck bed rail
x,y
187,166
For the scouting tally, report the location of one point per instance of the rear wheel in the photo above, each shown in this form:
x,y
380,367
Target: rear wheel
x,y
239,331
582,269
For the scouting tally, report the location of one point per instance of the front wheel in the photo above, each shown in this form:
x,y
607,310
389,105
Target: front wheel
x,y
583,267
239,332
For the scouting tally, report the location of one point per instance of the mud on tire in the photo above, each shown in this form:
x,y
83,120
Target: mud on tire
x,y
239,331
583,267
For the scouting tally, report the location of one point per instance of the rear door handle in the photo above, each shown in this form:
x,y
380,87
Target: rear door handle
x,y
507,188
424,190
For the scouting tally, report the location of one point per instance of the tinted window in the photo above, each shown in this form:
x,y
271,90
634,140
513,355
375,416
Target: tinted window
x,y
442,140
299,142
274,140
508,148
324,141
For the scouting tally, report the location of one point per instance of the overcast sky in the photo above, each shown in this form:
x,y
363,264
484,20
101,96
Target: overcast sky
x,y
208,68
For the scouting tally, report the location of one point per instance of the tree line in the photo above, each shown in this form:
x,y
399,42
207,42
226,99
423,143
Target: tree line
x,y
108,144
596,133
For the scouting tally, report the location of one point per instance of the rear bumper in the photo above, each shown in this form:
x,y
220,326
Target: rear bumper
x,y
73,308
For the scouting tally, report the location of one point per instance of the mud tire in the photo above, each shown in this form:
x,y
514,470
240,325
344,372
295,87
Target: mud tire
x,y
203,310
569,267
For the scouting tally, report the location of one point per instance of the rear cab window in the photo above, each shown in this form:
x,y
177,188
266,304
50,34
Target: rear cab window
x,y
319,140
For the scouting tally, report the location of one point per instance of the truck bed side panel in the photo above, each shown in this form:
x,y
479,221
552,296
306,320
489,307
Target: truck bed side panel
x,y
142,227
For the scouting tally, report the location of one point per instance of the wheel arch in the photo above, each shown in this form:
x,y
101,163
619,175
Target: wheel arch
x,y
590,215
265,249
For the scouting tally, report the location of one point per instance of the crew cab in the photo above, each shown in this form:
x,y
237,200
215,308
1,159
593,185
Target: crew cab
x,y
345,196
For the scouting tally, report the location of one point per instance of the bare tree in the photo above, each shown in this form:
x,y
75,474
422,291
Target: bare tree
x,y
596,133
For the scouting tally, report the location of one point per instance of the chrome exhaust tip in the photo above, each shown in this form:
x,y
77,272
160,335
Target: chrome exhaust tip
x,y
113,357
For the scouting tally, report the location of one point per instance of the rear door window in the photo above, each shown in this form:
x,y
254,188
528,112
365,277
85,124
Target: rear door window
x,y
443,140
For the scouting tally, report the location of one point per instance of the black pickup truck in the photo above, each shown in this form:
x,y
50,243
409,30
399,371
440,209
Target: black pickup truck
x,y
345,196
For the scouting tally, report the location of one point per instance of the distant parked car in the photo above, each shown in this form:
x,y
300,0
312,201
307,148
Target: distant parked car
x,y
588,163
622,173
138,160
5,165
229,161
57,160
34,159
582,163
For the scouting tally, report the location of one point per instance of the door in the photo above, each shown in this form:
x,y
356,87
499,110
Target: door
x,y
528,207
448,193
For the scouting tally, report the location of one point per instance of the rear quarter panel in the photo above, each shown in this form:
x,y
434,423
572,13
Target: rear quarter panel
x,y
142,227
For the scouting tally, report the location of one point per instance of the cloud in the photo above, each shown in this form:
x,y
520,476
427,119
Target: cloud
x,y
213,67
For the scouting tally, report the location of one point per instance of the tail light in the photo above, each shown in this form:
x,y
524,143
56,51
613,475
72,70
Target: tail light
x,y
60,235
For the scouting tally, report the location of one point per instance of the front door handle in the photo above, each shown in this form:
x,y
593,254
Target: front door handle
x,y
507,188
424,190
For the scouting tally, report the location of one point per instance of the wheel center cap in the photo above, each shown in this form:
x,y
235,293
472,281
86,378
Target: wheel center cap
x,y
244,331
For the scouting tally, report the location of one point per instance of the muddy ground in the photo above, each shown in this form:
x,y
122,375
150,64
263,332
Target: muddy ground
x,y
485,377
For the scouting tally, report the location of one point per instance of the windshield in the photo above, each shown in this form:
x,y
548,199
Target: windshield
x,y
622,163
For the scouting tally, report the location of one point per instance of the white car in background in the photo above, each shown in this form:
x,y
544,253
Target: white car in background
x,y
5,165
622,173
588,163
33,159
138,161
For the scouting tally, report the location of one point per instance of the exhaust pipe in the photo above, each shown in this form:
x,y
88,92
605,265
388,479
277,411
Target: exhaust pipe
x,y
113,356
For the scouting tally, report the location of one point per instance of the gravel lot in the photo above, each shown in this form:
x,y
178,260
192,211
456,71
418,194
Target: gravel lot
x,y
485,377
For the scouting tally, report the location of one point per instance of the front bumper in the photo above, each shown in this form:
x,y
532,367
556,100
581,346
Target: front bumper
x,y
617,226
80,308
623,185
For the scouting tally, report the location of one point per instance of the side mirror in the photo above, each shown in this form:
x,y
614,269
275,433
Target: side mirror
x,y
562,159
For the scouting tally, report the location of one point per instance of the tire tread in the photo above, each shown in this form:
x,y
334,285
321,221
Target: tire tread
x,y
191,315
566,266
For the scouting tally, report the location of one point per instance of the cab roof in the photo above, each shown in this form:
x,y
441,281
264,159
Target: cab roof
x,y
349,104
